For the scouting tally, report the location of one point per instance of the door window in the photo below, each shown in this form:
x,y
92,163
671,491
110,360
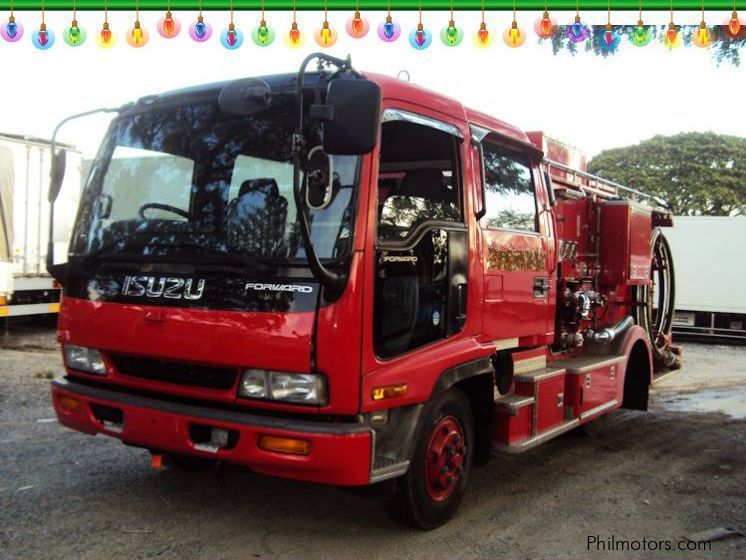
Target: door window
x,y
418,188
510,200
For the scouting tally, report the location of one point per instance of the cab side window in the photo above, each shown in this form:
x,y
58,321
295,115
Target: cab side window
x,y
510,199
419,206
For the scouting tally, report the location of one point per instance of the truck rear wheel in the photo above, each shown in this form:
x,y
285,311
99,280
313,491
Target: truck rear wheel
x,y
431,491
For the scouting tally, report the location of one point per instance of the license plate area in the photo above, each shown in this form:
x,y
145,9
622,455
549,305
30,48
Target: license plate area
x,y
211,439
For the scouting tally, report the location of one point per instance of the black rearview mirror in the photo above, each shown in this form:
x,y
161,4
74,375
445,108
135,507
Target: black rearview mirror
x,y
57,174
245,97
352,115
319,179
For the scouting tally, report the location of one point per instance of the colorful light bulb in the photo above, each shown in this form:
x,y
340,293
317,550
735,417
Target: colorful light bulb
x,y
577,32
11,31
388,30
546,26
701,37
483,38
673,37
262,35
420,38
43,38
608,37
641,35
137,36
74,35
357,26
734,26
451,35
514,36
169,26
294,38
106,38
607,40
325,36
200,30
231,37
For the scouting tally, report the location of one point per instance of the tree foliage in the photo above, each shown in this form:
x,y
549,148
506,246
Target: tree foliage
x,y
724,47
696,173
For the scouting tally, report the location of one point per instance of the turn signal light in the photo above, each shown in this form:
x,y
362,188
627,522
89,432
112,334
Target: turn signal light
x,y
291,446
70,404
389,392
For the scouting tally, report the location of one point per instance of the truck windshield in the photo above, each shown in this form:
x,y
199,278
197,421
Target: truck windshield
x,y
189,181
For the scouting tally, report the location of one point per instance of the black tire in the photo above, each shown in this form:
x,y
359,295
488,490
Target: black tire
x,y
187,462
413,504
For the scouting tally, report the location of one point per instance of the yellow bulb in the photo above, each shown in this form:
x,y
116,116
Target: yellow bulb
x,y
702,37
326,36
137,36
514,37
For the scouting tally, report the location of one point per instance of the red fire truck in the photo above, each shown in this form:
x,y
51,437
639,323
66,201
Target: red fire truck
x,y
351,280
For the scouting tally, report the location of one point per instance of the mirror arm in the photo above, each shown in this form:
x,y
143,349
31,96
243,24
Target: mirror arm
x,y
52,196
332,282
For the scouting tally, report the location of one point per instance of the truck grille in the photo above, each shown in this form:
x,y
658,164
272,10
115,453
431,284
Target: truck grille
x,y
179,373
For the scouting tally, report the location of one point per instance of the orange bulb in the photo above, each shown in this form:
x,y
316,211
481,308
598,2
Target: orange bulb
x,y
546,25
294,33
734,25
483,35
672,33
357,23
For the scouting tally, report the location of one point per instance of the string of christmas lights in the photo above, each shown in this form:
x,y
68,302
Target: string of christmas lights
x,y
606,39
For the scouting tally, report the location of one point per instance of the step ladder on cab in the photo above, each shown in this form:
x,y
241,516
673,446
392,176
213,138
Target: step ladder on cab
x,y
548,399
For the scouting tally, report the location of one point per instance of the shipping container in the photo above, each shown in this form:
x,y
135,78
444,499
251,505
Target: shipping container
x,y
25,286
710,257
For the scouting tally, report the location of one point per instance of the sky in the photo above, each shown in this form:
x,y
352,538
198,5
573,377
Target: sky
x,y
587,101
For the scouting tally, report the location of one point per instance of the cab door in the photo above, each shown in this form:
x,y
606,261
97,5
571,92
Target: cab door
x,y
515,247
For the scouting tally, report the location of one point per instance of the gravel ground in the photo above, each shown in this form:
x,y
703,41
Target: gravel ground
x,y
659,475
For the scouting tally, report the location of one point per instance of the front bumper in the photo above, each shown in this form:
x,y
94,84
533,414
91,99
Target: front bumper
x,y
340,452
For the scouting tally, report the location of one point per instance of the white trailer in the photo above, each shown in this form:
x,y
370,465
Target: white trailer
x,y
709,255
25,286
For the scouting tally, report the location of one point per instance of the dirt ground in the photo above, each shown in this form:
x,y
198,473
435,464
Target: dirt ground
x,y
660,475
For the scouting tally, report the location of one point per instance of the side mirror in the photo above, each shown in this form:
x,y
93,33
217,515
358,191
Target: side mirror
x,y
319,179
352,114
245,97
57,174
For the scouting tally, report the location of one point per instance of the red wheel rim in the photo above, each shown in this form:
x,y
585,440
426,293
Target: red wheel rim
x,y
444,462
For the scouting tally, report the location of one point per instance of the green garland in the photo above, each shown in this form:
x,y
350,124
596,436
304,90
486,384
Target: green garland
x,y
396,5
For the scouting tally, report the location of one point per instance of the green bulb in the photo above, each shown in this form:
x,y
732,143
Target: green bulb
x,y
452,34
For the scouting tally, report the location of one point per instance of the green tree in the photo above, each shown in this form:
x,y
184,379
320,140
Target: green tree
x,y
696,173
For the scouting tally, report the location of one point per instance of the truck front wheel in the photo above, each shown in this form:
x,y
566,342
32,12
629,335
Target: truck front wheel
x,y
431,491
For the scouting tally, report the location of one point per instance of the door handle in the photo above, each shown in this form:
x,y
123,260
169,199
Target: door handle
x,y
461,304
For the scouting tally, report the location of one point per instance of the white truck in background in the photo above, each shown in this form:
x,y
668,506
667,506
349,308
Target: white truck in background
x,y
709,255
25,286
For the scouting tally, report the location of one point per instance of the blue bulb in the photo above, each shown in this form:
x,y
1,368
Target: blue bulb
x,y
200,29
12,29
388,29
577,29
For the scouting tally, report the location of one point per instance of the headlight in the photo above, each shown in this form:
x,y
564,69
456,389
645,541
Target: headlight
x,y
299,388
84,359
